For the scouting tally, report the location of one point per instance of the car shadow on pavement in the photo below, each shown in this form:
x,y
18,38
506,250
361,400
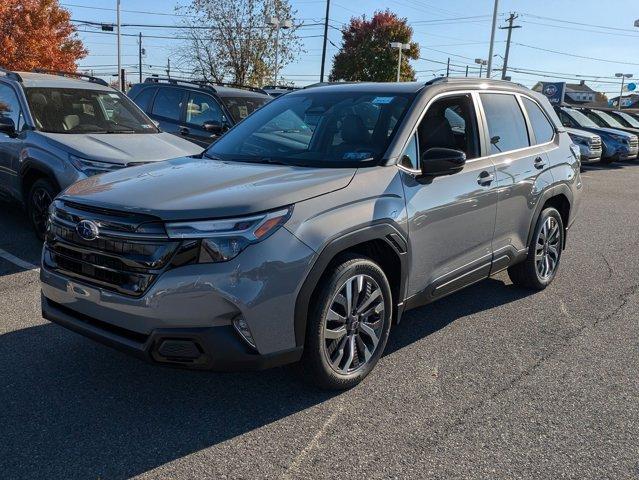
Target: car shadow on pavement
x,y
71,408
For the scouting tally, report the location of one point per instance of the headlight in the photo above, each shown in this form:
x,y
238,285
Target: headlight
x,y
222,240
93,167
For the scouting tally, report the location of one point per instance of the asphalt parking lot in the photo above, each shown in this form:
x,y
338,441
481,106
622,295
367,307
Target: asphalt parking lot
x,y
492,382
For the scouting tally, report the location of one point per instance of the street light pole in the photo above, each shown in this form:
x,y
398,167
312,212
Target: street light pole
x,y
399,46
623,77
481,62
277,23
492,40
119,52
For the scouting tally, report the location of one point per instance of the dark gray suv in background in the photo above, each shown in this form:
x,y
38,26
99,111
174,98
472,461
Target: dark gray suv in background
x,y
311,226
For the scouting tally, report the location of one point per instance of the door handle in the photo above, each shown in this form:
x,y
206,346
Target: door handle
x,y
183,131
485,178
540,163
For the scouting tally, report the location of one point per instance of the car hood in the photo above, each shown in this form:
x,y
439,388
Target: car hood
x,y
191,188
580,133
124,148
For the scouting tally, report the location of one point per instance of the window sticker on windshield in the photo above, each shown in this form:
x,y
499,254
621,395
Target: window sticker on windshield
x,y
357,155
146,125
382,100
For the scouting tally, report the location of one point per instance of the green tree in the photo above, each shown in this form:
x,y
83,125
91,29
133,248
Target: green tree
x,y
365,54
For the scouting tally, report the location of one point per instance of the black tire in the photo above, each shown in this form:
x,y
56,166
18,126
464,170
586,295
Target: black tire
x,y
41,194
316,361
527,274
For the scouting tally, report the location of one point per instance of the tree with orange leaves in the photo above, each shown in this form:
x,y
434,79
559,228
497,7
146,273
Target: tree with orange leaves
x,y
38,34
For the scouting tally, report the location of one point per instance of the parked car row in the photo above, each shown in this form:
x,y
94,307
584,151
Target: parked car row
x,y
602,135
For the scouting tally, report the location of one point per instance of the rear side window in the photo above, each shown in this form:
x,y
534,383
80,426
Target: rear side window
x,y
168,103
506,124
143,99
544,131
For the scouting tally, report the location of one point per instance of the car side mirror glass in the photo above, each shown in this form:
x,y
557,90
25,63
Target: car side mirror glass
x,y
7,126
437,162
213,126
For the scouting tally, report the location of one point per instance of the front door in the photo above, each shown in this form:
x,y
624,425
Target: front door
x,y
10,146
202,108
451,218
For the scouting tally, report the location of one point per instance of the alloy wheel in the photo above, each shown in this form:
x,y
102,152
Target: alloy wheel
x,y
353,324
548,248
40,202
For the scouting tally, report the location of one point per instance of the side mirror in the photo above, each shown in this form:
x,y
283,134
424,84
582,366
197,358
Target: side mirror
x,y
214,127
437,162
7,126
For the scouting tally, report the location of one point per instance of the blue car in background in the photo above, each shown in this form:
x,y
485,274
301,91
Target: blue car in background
x,y
617,144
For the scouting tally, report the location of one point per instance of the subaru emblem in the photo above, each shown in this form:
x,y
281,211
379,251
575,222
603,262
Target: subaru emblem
x,y
87,230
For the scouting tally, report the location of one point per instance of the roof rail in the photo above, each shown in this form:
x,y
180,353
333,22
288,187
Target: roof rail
x,y
60,73
202,83
12,75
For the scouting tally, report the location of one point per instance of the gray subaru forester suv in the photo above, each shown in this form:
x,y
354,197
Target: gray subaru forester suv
x,y
311,226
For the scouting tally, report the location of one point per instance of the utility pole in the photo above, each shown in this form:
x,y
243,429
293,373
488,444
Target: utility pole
x,y
168,68
510,27
466,70
448,67
328,8
140,55
492,40
119,52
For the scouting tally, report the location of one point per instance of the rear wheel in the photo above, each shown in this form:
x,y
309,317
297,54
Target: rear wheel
x,y
41,195
348,325
544,253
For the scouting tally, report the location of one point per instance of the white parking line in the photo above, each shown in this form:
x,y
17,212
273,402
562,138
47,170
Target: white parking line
x,y
18,261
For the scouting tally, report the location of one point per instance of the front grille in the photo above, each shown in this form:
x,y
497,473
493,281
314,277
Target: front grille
x,y
633,145
128,255
595,143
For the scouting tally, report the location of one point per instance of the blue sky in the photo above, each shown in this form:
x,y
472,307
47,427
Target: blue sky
x,y
599,43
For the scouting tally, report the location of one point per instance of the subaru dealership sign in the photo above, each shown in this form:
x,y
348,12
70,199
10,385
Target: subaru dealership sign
x,y
555,91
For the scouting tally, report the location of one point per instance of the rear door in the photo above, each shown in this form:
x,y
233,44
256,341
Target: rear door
x,y
523,172
168,108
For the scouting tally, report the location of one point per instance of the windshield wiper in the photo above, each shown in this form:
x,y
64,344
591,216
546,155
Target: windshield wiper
x,y
120,131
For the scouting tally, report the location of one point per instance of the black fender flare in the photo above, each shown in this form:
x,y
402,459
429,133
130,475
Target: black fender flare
x,y
384,231
549,193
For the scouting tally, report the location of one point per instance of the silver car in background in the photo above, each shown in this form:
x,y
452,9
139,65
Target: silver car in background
x,y
590,147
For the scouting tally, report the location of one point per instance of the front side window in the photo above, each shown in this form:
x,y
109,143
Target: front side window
x,y
506,124
74,110
317,128
544,131
202,108
10,106
450,123
168,103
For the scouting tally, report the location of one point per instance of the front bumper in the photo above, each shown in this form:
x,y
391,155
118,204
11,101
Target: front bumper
x,y
207,348
196,302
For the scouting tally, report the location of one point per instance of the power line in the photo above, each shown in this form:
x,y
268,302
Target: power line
x,y
575,55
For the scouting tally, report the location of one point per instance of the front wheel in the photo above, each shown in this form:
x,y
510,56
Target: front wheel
x,y
40,197
544,253
348,325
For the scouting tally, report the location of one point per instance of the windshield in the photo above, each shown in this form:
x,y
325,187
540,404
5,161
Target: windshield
x,y
610,121
632,121
242,107
321,128
73,110
580,118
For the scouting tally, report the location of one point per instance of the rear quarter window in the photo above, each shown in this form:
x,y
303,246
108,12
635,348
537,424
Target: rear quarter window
x,y
143,99
543,129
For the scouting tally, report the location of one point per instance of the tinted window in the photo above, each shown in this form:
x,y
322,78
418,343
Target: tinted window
x,y
608,119
630,120
242,107
321,127
10,106
202,108
506,124
544,131
450,123
410,158
75,110
579,119
168,103
144,98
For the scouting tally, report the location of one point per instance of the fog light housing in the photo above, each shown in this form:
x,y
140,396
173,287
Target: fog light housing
x,y
243,329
